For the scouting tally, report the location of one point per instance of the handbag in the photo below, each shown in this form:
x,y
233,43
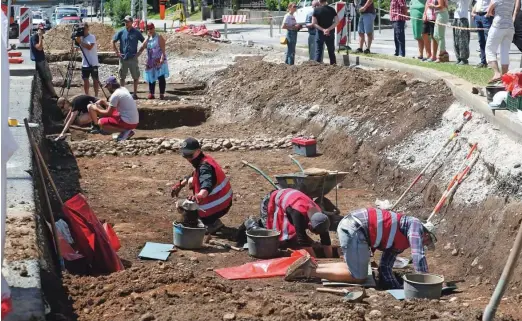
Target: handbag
x,y
283,40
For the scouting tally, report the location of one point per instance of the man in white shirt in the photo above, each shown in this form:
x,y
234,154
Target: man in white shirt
x,y
461,36
482,21
119,114
89,50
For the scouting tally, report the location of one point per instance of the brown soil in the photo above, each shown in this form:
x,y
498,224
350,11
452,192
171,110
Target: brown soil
x,y
374,109
186,45
59,38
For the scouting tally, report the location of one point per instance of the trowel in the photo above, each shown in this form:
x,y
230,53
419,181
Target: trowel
x,y
349,296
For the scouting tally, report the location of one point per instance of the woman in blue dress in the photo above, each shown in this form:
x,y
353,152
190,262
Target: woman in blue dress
x,y
156,68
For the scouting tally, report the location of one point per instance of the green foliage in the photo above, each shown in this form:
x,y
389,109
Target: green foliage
x,y
118,10
273,5
385,6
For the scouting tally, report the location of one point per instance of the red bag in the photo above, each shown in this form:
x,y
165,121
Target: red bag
x,y
90,237
508,81
67,251
113,238
262,268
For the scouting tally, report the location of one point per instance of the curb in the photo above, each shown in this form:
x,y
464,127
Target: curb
x,y
505,120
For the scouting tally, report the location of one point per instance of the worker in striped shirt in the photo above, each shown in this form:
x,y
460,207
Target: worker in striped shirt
x,y
371,229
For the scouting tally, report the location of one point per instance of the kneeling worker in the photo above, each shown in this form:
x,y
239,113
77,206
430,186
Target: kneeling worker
x,y
76,112
366,229
212,190
292,212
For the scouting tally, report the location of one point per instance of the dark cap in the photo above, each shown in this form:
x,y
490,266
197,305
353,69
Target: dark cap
x,y
127,19
189,146
319,223
41,25
150,25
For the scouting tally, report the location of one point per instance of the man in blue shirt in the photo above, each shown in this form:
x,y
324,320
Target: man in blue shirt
x,y
128,38
38,56
311,30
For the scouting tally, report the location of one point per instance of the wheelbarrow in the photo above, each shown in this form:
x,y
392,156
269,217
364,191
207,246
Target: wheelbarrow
x,y
314,185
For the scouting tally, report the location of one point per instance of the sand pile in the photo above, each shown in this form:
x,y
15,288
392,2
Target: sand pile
x,y
59,38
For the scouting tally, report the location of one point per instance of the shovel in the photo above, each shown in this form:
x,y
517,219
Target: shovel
x,y
353,297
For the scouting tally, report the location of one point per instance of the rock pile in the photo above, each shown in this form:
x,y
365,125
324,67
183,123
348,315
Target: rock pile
x,y
160,145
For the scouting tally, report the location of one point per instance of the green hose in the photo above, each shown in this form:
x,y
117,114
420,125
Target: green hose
x,y
260,172
297,163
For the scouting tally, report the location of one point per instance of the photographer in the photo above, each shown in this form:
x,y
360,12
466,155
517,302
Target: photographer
x,y
89,50
38,56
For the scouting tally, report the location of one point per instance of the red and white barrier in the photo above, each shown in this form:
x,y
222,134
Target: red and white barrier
x,y
341,34
25,27
234,18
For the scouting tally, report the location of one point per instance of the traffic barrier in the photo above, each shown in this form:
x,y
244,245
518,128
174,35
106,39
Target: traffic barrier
x,y
25,27
234,18
12,54
341,34
16,60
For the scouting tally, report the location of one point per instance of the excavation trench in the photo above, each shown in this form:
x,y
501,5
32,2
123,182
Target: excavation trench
x,y
249,115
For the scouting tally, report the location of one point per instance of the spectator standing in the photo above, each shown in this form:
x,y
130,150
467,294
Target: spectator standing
x,y
156,68
461,36
517,38
38,56
128,38
428,29
398,13
366,19
483,22
292,27
325,19
89,50
311,30
416,13
500,35
441,10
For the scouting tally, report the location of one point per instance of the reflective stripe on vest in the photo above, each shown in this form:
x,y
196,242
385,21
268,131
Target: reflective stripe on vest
x,y
393,230
219,187
284,228
216,202
379,228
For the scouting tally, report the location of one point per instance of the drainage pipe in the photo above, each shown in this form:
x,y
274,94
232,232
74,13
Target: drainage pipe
x,y
491,308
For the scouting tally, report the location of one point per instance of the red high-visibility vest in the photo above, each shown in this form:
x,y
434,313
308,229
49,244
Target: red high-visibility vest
x,y
221,195
383,227
277,219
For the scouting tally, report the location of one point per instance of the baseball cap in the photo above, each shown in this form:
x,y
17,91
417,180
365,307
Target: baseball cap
x,y
110,81
189,146
430,229
499,100
319,223
150,25
41,25
127,19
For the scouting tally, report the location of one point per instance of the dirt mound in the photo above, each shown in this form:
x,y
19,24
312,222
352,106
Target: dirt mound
x,y
61,37
182,44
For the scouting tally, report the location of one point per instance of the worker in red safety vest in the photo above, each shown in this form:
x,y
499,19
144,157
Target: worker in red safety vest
x,y
372,229
212,190
292,213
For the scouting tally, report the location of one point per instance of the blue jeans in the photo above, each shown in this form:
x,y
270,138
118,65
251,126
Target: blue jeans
x,y
483,22
329,41
291,38
399,38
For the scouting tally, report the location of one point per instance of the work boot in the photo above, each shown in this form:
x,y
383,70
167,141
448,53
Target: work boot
x,y
214,227
301,269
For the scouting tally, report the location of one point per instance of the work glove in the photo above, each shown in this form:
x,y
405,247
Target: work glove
x,y
194,198
176,189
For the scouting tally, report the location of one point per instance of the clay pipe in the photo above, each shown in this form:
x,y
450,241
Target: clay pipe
x,y
297,163
260,172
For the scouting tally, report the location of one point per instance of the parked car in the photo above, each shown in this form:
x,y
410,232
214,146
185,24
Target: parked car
x,y
39,18
60,14
72,20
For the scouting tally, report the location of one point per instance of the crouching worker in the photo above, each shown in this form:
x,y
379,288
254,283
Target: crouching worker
x,y
76,112
212,190
119,114
292,213
371,229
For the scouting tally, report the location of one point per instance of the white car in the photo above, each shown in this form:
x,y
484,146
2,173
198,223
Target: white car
x,y
303,8
38,18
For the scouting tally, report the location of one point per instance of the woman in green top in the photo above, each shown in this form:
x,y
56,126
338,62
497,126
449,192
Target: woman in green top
x,y
416,13
441,10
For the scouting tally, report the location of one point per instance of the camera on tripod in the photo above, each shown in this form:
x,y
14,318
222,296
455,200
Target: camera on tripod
x,y
78,30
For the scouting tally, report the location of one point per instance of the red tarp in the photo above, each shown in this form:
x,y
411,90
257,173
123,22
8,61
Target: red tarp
x,y
261,269
90,237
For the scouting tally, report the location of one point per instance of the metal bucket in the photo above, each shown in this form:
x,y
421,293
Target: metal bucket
x,y
491,90
263,243
422,286
188,238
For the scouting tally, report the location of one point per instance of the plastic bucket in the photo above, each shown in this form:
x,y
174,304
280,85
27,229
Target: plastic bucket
x,y
491,90
188,238
263,243
422,286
